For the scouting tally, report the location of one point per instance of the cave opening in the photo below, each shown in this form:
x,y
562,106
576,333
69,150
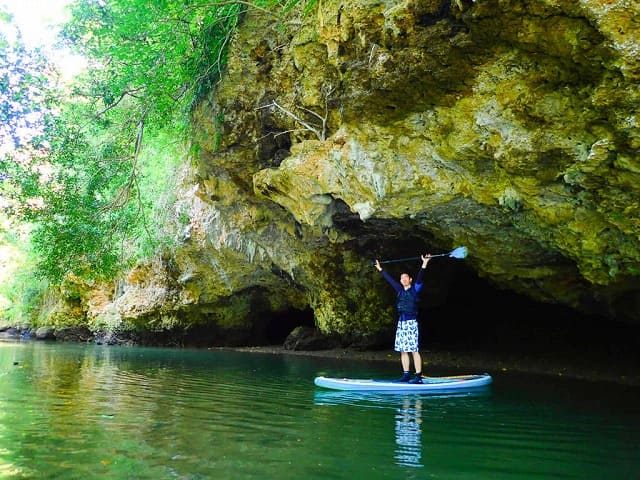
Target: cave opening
x,y
475,315
277,326
461,311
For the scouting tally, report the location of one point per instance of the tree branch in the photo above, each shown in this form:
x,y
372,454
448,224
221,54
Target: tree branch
x,y
321,131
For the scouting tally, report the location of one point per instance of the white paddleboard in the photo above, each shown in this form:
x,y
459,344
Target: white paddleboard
x,y
429,384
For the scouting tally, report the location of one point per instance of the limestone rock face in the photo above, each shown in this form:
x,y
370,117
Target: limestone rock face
x,y
378,129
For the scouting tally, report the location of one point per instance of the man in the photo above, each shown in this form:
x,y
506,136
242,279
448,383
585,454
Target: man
x,y
406,341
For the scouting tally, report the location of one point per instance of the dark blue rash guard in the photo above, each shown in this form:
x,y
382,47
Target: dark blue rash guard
x,y
407,299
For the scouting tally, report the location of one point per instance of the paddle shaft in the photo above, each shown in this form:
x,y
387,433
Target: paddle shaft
x,y
413,258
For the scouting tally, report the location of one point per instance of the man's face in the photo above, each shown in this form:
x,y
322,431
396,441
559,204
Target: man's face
x,y
405,280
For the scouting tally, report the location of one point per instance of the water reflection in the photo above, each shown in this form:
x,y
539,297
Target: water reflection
x,y
410,414
408,419
409,433
81,412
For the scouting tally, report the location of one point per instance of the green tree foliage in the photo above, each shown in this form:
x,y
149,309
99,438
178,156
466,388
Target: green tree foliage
x,y
162,55
94,171
25,83
148,64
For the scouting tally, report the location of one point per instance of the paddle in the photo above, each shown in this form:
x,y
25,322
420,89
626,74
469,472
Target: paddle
x,y
459,252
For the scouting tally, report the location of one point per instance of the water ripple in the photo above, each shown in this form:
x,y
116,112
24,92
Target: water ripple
x,y
105,413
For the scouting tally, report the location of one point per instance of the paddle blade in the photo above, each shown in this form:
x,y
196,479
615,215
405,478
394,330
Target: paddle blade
x,y
460,252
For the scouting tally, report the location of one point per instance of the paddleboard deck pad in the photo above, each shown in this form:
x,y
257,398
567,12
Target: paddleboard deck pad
x,y
428,385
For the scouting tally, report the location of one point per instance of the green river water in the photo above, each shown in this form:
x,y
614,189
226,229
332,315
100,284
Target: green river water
x,y
71,411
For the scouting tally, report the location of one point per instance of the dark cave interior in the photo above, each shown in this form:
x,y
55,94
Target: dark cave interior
x,y
475,315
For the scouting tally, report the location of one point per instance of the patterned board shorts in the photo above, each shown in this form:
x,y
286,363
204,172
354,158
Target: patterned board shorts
x,y
407,336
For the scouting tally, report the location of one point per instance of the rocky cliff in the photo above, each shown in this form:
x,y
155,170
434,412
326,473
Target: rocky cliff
x,y
385,129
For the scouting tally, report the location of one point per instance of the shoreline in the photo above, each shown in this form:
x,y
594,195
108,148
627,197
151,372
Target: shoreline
x,y
620,371
600,363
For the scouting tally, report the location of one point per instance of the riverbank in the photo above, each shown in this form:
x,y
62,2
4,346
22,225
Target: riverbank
x,y
578,365
598,362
